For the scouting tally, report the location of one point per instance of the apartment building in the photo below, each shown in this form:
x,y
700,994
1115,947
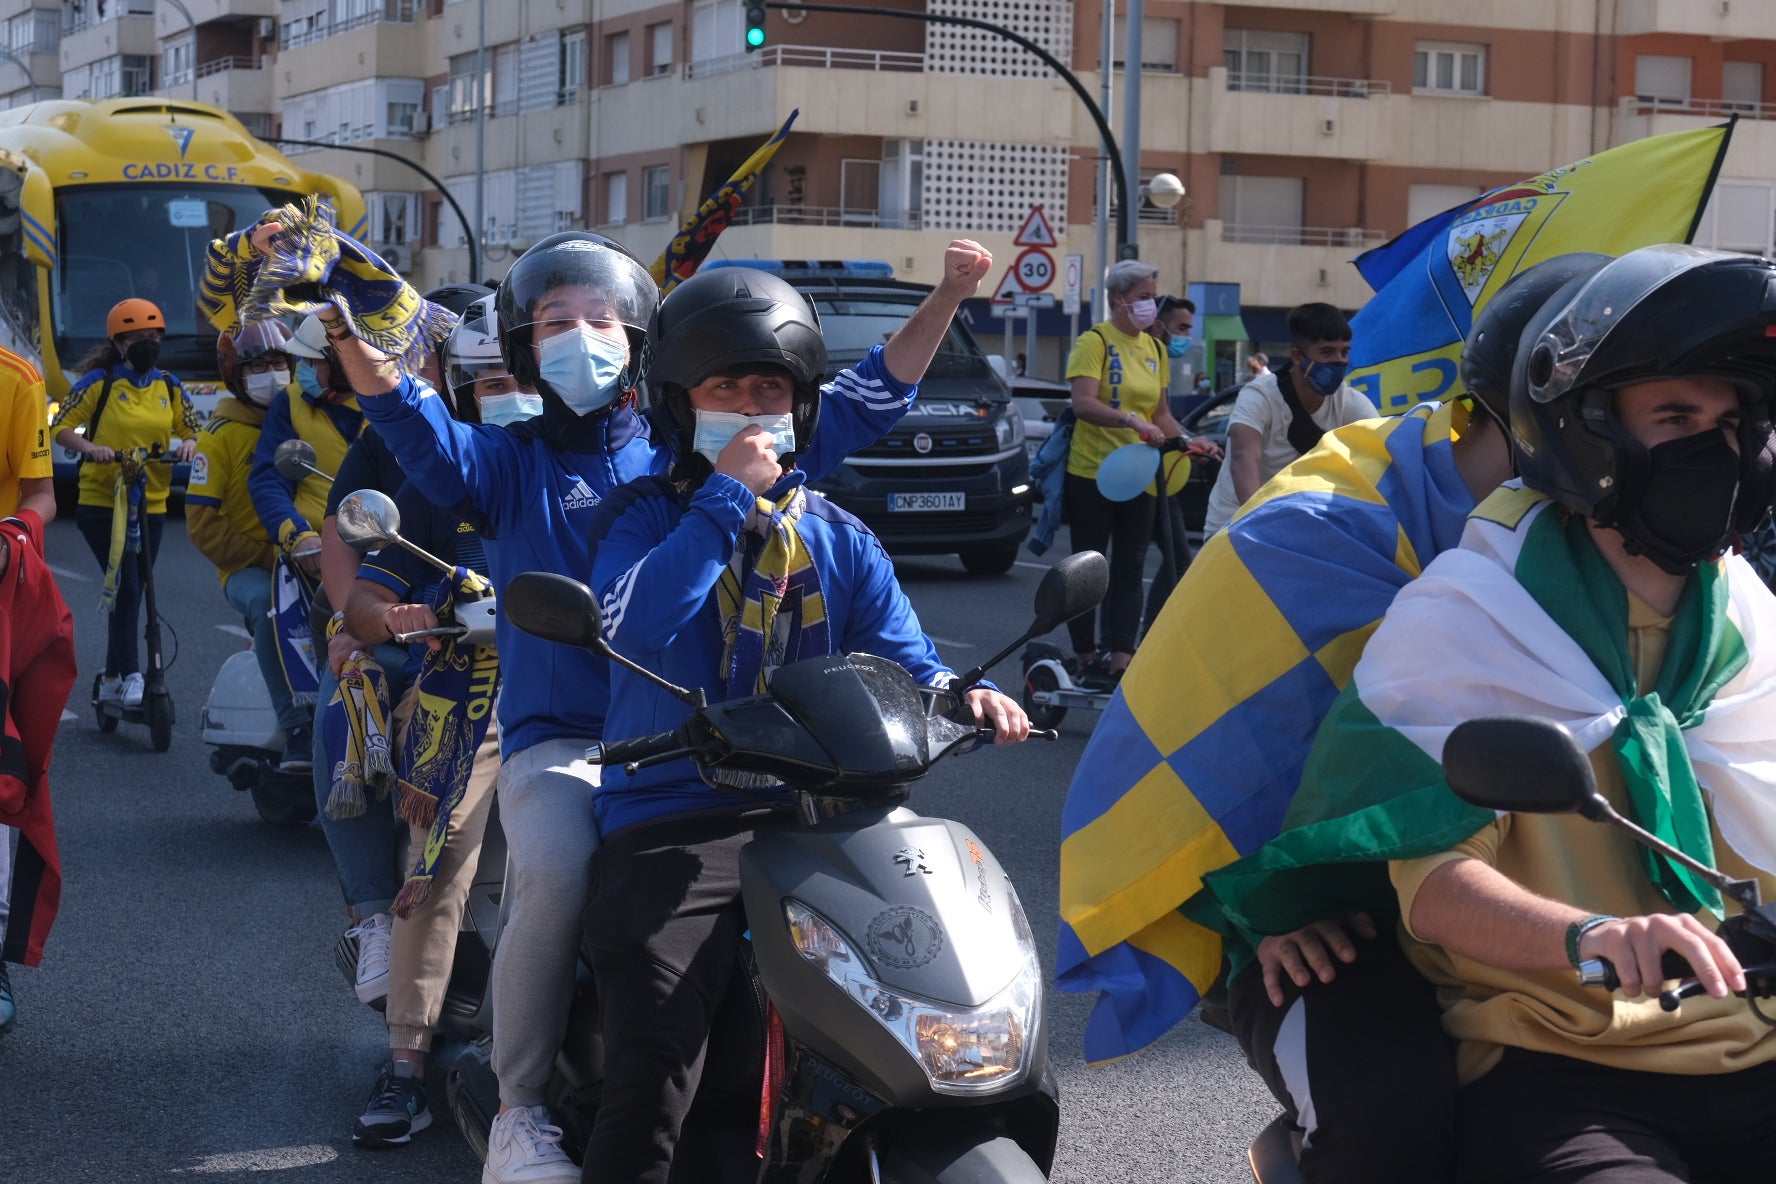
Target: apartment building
x,y
1304,130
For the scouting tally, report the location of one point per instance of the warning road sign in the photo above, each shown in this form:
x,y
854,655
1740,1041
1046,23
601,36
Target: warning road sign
x,y
1007,286
1036,232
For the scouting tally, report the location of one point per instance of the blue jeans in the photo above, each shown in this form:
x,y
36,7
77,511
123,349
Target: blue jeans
x,y
367,849
123,653
249,593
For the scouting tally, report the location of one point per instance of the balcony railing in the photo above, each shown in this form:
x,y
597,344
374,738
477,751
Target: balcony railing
x,y
818,57
1337,88
1706,108
392,12
1302,236
825,216
223,65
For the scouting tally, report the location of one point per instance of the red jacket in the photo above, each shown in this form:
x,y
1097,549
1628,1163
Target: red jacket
x,y
37,672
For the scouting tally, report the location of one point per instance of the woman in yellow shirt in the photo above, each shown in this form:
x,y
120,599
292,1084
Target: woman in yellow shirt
x,y
125,402
1118,372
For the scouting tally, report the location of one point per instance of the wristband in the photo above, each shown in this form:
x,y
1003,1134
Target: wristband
x,y
1575,933
335,624
1128,419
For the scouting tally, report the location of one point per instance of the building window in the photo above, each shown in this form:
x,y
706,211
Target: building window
x,y
715,29
394,218
36,31
1159,44
464,94
656,192
1662,81
1742,86
1423,201
572,73
505,80
399,119
1261,209
616,56
660,48
1444,68
901,200
175,62
1265,61
616,199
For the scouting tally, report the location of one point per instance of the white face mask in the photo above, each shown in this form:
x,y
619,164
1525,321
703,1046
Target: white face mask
x,y
511,407
1143,312
584,367
262,388
715,429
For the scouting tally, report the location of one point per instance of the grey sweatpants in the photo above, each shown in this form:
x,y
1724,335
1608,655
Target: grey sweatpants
x,y
545,802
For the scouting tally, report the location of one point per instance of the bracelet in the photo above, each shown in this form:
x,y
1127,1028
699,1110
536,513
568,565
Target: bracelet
x,y
1575,933
1128,419
335,624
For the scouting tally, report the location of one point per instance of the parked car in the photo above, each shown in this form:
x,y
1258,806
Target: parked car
x,y
1210,422
1041,402
952,477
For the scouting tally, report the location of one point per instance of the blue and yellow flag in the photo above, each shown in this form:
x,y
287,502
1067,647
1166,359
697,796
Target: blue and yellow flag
x,y
680,260
1433,280
1198,756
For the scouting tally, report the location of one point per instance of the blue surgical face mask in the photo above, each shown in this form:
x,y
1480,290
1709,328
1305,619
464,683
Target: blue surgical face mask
x,y
309,380
1324,377
511,407
715,429
1178,346
584,367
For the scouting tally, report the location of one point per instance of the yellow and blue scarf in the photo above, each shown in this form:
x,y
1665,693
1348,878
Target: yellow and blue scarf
x,y
773,611
126,522
355,738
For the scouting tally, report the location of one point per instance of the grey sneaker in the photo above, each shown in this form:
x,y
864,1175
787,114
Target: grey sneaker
x,y
523,1148
397,1109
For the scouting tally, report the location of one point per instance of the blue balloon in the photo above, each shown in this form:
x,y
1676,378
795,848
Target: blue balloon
x,y
1126,473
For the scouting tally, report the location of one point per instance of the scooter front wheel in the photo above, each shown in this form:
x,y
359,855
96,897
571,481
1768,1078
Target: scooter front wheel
x,y
107,722
159,709
1042,715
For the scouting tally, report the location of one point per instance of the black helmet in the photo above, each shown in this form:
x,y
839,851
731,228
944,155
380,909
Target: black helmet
x,y
735,320
1491,349
575,258
458,297
1666,311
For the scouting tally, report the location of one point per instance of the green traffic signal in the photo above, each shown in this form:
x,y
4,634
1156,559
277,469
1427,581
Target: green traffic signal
x,y
755,27
755,38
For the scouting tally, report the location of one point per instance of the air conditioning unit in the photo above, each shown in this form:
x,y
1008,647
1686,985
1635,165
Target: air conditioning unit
x,y
398,257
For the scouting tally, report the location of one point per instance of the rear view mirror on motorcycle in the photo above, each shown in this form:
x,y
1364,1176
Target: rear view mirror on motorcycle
x,y
295,459
366,520
1523,764
1072,586
564,611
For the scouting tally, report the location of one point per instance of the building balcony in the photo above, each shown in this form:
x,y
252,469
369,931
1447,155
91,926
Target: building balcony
x,y
92,43
1280,267
392,12
234,84
365,171
1316,117
1754,138
170,22
1349,7
373,46
509,140
1723,20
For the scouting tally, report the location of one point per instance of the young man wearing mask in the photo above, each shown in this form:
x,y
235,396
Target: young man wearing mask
x,y
1279,416
256,366
573,316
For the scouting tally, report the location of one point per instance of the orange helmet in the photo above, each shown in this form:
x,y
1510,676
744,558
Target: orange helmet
x,y
127,316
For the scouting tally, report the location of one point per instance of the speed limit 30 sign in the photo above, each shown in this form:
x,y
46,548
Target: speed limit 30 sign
x,y
1034,270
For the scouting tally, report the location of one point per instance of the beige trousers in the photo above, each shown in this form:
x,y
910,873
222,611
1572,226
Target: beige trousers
x,y
423,945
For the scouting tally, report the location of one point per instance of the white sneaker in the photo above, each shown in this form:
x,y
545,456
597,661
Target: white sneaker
x,y
523,1148
110,690
373,957
132,690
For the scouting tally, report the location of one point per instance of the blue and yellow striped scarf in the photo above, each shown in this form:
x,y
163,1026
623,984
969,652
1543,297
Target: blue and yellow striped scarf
x,y
772,608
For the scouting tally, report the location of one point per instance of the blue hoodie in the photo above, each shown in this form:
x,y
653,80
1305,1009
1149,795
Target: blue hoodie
x,y
659,561
536,485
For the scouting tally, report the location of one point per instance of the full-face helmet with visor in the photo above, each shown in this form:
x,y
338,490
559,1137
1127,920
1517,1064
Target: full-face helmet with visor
x,y
471,354
255,361
573,316
1661,312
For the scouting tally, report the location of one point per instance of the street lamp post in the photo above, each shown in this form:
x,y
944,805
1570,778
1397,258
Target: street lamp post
x,y
6,55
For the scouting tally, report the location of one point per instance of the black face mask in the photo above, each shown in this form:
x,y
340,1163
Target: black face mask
x,y
1685,510
142,355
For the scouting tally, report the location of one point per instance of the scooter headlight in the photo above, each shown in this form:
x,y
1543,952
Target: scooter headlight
x,y
962,1051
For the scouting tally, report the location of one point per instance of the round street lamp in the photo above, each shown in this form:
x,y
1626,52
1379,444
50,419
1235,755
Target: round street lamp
x,y
1165,191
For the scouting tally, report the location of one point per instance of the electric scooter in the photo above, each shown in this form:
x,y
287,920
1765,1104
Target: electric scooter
x,y
246,741
156,708
1529,765
887,1019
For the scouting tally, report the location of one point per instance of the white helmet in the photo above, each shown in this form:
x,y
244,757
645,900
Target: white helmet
x,y
310,340
473,350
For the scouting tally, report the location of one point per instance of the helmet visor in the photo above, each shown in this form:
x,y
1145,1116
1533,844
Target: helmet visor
x,y
576,281
1575,332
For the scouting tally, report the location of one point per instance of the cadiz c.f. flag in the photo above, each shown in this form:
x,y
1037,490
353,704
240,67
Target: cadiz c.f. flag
x,y
690,246
1433,280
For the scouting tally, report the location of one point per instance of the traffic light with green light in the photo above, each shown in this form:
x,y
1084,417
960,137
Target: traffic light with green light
x,y
755,27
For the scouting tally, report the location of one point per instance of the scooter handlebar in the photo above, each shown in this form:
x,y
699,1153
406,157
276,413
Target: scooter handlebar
x,y
638,748
1601,972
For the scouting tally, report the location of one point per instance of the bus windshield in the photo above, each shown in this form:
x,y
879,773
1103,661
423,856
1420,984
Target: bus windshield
x,y
148,241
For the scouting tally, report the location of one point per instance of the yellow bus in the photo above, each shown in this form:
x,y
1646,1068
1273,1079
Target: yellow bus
x,y
100,201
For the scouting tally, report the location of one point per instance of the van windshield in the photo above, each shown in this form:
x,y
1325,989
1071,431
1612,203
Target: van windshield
x,y
853,326
148,241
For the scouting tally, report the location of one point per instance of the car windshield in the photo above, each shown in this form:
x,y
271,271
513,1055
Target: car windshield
x,y
148,241
853,326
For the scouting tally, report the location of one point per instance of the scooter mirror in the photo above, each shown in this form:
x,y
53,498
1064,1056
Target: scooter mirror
x,y
294,460
367,520
1520,764
1073,586
554,608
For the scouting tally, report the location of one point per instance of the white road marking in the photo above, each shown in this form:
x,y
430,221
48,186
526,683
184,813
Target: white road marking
x,y
956,645
64,573
237,630
1027,563
68,715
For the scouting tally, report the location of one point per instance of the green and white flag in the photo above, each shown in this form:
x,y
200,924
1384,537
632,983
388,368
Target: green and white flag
x,y
1526,618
